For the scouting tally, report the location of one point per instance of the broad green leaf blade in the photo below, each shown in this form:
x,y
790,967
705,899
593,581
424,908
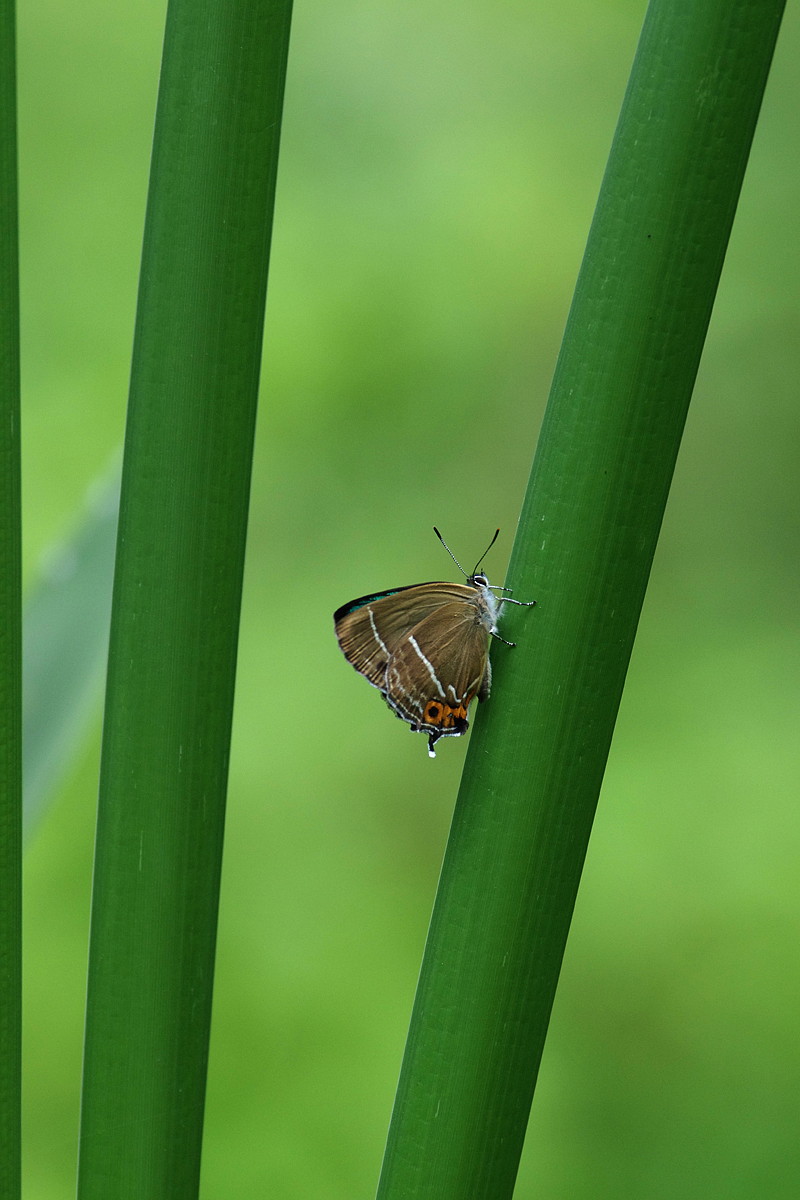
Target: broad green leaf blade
x,y
10,628
65,642
177,589
584,549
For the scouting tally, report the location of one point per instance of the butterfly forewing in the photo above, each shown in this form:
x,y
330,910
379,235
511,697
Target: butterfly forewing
x,y
371,628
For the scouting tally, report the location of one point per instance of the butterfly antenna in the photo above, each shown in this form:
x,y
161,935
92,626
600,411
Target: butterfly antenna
x,y
486,551
449,551
480,560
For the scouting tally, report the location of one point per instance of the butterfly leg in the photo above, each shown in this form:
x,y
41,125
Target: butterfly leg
x,y
521,603
500,638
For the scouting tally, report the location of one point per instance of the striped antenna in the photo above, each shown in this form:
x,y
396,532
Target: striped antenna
x,y
455,560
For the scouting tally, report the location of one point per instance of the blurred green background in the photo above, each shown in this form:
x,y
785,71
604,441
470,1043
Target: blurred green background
x,y
439,169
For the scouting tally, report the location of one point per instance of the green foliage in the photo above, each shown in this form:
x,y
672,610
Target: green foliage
x,y
10,629
177,595
437,179
65,646
587,535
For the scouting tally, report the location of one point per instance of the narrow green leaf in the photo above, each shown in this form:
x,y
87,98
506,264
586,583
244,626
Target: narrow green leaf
x,y
10,627
584,549
177,589
64,646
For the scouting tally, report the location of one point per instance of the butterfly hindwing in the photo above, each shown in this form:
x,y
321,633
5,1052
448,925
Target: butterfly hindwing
x,y
439,667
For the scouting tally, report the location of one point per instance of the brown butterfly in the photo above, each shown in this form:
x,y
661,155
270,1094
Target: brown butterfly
x,y
426,647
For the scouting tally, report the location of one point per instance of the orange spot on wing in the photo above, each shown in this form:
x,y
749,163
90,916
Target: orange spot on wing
x,y
443,716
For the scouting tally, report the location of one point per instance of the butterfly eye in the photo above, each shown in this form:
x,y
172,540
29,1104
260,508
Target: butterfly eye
x,y
480,580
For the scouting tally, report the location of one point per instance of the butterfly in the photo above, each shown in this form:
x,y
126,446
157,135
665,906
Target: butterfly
x,y
426,647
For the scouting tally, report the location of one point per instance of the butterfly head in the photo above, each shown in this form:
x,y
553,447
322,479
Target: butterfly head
x,y
478,580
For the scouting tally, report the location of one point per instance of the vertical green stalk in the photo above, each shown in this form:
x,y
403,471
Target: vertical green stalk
x,y
584,550
177,589
10,627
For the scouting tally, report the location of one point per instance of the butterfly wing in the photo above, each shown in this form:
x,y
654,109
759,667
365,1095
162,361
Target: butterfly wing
x,y
372,628
439,667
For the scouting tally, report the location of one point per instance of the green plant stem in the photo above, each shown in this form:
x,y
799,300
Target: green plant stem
x,y
177,589
10,627
585,545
